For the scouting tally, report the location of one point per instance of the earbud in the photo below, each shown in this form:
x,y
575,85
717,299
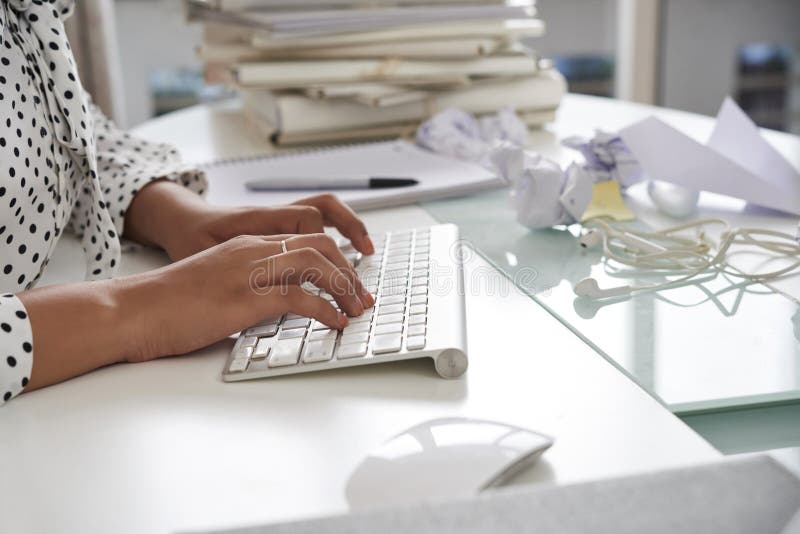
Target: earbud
x,y
588,288
591,239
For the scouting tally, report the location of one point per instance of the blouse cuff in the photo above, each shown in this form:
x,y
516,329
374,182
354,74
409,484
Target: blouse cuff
x,y
16,342
120,195
125,164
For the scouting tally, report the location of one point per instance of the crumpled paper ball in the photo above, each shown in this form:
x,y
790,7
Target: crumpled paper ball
x,y
542,194
608,158
460,135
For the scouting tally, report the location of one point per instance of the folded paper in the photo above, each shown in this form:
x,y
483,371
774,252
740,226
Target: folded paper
x,y
737,161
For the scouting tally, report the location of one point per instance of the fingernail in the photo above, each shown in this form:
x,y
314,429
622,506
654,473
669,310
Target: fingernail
x,y
370,245
369,300
343,320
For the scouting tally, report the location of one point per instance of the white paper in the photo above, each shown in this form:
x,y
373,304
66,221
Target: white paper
x,y
738,138
438,176
737,161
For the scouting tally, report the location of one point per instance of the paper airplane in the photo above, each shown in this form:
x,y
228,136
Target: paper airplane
x,y
737,161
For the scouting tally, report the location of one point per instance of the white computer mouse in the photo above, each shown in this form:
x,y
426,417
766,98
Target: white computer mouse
x,y
443,458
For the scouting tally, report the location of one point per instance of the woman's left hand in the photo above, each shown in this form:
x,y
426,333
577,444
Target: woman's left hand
x,y
167,215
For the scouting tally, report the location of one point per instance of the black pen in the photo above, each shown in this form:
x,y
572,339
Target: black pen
x,y
288,183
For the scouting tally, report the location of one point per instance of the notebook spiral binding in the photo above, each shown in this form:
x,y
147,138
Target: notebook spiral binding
x,y
286,153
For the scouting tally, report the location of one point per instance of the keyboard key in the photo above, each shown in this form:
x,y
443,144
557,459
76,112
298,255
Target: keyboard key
x,y
363,318
419,290
357,327
418,309
390,318
355,337
238,365
415,343
319,326
318,351
389,329
419,299
263,331
371,262
323,334
296,323
387,343
417,319
416,330
393,290
419,281
391,308
419,272
395,278
394,299
354,350
285,352
295,332
397,266
395,281
262,349
243,353
248,341
293,316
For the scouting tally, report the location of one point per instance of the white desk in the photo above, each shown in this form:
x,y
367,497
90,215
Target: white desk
x,y
166,445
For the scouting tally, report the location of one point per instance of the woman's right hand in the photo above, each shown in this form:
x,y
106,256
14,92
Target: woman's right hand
x,y
224,289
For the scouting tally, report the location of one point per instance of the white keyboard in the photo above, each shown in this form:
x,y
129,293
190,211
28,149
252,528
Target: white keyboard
x,y
417,279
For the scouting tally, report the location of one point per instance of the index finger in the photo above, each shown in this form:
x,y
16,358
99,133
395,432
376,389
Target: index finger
x,y
338,214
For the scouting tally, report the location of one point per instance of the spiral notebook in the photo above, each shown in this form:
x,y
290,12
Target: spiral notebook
x,y
438,176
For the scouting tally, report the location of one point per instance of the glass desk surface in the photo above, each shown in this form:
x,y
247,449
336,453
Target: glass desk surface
x,y
714,344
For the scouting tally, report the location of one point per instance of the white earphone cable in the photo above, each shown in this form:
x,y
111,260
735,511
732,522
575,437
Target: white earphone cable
x,y
663,252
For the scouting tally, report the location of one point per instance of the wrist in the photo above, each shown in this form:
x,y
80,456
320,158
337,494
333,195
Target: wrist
x,y
136,302
163,215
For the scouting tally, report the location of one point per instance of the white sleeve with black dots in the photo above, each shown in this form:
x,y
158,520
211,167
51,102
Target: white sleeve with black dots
x,y
125,164
16,342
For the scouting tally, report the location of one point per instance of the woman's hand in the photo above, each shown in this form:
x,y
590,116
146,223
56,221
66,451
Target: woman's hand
x,y
242,281
167,215
189,304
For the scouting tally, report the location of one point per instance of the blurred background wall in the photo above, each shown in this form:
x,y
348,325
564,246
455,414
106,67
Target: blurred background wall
x,y
708,49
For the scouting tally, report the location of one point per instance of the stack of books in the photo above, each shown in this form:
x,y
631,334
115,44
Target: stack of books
x,y
315,71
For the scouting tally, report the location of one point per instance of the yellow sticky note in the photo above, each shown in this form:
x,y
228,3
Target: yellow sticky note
x,y
607,202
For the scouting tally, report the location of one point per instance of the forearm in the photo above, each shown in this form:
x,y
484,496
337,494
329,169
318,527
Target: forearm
x,y
158,211
77,328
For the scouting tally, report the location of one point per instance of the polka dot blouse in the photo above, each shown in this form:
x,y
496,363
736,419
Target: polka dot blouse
x,y
63,167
